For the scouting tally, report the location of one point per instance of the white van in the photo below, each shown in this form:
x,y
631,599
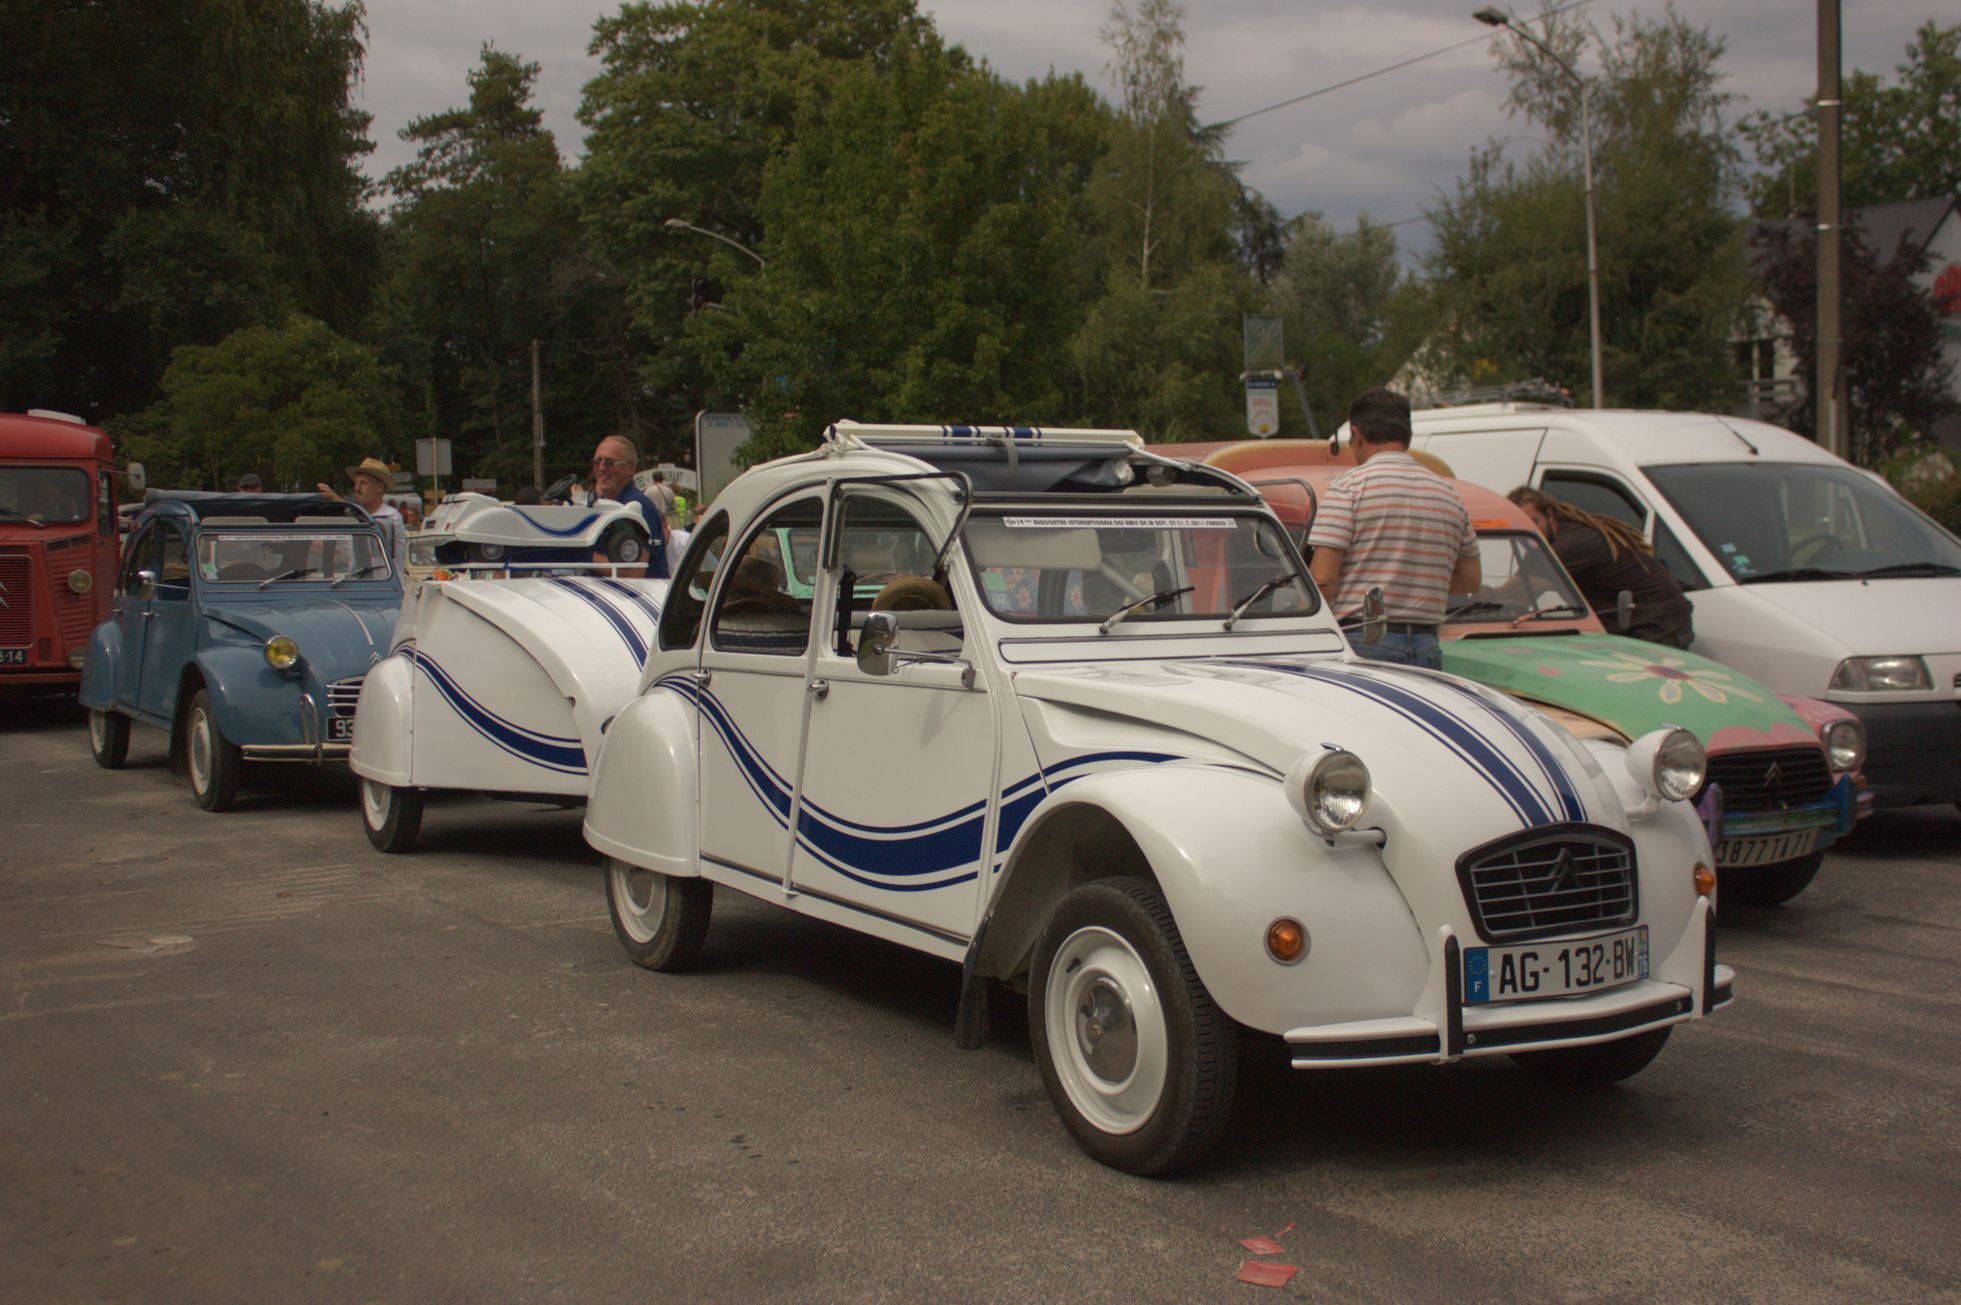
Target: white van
x,y
1806,573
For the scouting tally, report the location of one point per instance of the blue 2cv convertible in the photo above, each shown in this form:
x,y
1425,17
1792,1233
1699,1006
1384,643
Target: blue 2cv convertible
x,y
242,624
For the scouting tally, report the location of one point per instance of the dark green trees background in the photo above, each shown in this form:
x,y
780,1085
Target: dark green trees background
x,y
814,209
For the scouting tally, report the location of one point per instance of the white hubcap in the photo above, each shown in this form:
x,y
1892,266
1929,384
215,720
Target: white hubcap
x,y
200,751
1106,1030
376,799
640,896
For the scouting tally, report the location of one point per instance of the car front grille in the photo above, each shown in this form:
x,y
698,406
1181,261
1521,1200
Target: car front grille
x,y
1770,780
16,601
1540,882
343,694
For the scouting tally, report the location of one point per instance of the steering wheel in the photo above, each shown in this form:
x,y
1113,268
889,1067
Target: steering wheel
x,y
556,491
1824,541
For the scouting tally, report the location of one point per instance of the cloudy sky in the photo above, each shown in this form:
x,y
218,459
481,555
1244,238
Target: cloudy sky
x,y
1383,147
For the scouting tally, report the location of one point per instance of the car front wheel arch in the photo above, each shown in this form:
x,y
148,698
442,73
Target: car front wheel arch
x,y
1072,845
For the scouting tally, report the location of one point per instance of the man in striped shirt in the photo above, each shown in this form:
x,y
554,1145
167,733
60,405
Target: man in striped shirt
x,y
1392,524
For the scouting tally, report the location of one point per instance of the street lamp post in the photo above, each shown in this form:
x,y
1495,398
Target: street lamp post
x,y
676,224
1494,17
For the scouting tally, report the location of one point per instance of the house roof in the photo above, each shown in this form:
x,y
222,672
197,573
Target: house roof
x,y
1881,226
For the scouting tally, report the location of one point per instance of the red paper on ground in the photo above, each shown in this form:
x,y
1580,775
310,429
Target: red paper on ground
x,y
1265,1273
1262,1245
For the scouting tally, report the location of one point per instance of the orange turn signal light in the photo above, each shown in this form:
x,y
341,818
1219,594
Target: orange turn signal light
x,y
1286,941
1705,880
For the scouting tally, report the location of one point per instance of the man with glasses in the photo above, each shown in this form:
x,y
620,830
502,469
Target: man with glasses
x,y
613,464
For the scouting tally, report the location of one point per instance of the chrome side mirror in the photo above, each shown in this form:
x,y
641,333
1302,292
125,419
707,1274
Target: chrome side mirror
x,y
875,643
139,479
1375,621
146,584
1624,610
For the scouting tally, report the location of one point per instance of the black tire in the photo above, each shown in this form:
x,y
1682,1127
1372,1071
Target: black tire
x,y
1093,942
212,759
1767,885
660,919
108,738
1596,1066
626,545
392,816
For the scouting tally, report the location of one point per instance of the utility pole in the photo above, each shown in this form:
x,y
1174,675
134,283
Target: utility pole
x,y
537,422
1834,421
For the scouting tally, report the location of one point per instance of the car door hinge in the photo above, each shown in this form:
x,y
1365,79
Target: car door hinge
x,y
819,689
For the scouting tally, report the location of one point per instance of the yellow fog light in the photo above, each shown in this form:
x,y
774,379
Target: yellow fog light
x,y
1286,941
80,582
1705,880
282,652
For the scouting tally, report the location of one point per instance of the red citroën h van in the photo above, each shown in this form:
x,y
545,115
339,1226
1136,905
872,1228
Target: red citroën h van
x,y
57,545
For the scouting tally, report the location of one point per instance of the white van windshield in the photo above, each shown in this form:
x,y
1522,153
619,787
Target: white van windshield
x,y
1768,522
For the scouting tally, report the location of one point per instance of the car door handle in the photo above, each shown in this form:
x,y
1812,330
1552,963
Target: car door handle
x,y
819,689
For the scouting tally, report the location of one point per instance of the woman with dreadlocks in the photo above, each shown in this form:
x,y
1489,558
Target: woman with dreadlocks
x,y
1607,556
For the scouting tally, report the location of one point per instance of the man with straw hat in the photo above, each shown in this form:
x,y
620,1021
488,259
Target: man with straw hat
x,y
371,481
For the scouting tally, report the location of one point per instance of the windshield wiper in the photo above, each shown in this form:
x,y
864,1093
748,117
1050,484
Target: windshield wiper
x,y
1909,569
1795,573
369,569
1266,587
293,574
1547,613
22,516
1157,599
1483,606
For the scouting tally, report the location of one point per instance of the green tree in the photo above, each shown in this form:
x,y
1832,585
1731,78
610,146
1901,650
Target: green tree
x,y
295,403
486,254
1509,264
1159,349
1335,292
168,172
1897,140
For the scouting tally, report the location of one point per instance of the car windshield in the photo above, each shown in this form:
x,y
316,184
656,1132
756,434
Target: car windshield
x,y
296,556
1521,577
50,495
1051,567
1800,521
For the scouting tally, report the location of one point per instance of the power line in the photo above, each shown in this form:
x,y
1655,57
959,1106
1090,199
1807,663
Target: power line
x,y
1394,67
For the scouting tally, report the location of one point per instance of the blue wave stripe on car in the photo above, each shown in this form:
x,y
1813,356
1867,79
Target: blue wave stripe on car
x,y
566,756
613,616
1569,799
544,529
634,596
1439,725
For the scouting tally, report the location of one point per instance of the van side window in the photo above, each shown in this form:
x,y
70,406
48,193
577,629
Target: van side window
x,y
1675,560
1598,495
687,596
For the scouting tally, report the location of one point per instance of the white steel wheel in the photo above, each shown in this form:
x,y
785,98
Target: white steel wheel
x,y
213,760
661,920
1139,1061
392,816
1107,1030
108,738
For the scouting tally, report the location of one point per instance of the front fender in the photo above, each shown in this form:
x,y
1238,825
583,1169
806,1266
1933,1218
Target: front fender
x,y
255,704
384,718
99,667
1230,856
643,799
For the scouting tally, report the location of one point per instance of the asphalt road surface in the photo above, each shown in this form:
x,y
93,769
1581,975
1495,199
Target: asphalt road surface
x,y
247,1058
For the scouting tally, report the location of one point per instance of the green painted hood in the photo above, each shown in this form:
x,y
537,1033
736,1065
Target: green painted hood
x,y
1633,686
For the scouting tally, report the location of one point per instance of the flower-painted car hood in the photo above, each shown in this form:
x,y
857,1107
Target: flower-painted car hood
x,y
1633,686
1467,764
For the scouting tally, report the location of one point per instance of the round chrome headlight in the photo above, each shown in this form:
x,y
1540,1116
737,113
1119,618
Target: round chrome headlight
x,y
1333,792
281,652
80,581
1845,744
1680,765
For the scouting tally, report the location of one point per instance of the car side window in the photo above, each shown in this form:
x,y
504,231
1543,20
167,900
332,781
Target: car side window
x,y
687,596
1675,559
757,609
173,562
889,556
140,556
1598,495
